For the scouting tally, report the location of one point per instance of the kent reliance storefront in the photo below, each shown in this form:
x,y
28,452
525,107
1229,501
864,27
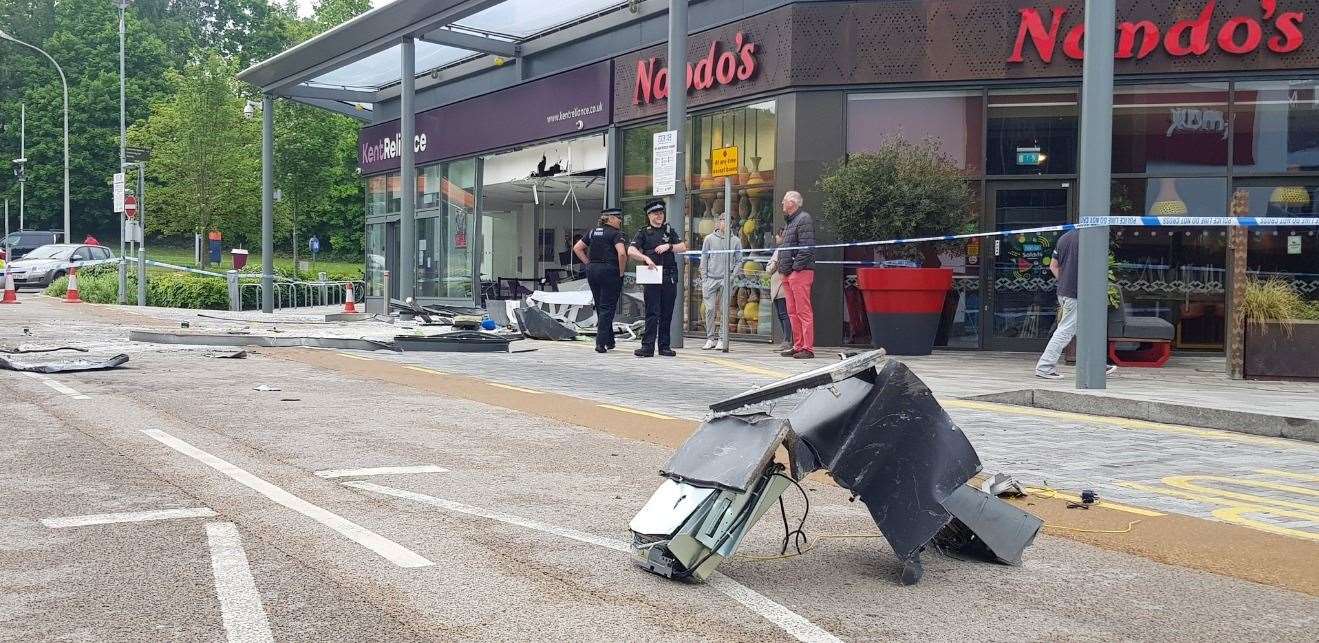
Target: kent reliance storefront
x,y
1216,114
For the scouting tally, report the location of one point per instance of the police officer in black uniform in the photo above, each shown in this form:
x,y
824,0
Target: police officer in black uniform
x,y
658,244
604,252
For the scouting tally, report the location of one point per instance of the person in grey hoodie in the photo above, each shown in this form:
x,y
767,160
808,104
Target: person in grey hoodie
x,y
720,254
797,265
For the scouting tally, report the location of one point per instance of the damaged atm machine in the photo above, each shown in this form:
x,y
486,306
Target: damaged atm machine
x,y
878,431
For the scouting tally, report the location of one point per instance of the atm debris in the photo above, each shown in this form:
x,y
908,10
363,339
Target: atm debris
x,y
66,366
875,427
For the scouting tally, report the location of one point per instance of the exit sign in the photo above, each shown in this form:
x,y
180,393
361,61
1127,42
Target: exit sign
x,y
1030,156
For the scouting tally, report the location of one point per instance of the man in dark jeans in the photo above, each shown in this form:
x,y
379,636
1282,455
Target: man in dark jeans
x,y
797,265
658,244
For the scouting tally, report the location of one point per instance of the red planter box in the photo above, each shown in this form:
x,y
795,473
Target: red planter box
x,y
904,306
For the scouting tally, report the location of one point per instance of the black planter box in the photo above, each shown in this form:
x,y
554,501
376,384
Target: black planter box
x,y
1274,353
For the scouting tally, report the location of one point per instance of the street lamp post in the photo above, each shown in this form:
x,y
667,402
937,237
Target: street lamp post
x,y
123,142
65,82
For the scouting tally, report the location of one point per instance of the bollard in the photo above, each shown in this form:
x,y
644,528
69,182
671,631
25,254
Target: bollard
x,y
235,293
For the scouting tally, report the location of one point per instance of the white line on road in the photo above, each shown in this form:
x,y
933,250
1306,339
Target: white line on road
x,y
390,550
791,622
634,411
132,516
240,603
57,386
380,471
513,388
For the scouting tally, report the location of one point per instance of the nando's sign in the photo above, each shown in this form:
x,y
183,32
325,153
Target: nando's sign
x,y
721,66
1271,29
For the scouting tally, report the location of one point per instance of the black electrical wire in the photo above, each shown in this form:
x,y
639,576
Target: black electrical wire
x,y
795,537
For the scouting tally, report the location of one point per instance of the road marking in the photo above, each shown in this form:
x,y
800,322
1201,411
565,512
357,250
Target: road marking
x,y
635,411
364,359
380,471
1288,474
791,622
390,550
1234,509
515,388
1236,515
131,516
240,602
424,369
1127,423
1050,493
756,370
1188,483
58,386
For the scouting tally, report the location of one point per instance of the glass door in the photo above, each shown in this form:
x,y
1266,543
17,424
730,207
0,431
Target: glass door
x,y
1022,304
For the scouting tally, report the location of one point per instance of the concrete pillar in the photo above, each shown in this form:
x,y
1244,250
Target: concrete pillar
x,y
1096,164
407,220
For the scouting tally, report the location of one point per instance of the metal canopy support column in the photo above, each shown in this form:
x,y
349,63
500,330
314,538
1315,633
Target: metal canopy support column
x,y
407,220
677,119
267,203
1096,173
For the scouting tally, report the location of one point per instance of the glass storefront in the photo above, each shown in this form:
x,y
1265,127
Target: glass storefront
x,y
444,260
750,128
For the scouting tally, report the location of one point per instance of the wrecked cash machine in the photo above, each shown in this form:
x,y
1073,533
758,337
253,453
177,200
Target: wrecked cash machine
x,y
878,431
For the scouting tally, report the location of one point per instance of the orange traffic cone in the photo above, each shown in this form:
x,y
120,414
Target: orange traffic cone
x,y
71,297
11,293
349,304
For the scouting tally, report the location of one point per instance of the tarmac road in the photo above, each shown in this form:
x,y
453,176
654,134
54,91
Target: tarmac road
x,y
515,538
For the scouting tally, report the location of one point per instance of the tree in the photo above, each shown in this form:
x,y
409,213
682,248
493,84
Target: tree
x,y
205,167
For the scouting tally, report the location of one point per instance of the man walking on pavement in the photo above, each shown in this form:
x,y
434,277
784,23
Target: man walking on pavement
x,y
797,265
658,244
720,253
1064,266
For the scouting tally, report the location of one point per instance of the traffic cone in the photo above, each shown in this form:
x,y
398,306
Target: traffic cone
x,y
349,304
11,293
71,297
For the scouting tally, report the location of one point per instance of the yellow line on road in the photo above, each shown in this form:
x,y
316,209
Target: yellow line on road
x,y
1235,515
515,388
1234,508
635,411
756,370
1050,493
1188,483
1288,474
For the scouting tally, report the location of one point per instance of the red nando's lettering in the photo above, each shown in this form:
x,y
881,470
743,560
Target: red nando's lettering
x,y
716,68
1238,35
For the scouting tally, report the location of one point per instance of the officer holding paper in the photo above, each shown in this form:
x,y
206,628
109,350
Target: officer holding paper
x,y
657,246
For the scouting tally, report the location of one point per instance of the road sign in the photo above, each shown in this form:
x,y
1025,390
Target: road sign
x,y
723,162
119,192
130,206
664,163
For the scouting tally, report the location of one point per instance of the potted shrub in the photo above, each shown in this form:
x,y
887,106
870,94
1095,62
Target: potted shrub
x,y
1282,332
902,190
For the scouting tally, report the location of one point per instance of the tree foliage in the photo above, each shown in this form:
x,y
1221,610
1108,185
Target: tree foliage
x,y
902,190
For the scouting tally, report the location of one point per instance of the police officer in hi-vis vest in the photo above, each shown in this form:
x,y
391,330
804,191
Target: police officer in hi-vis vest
x,y
658,244
604,251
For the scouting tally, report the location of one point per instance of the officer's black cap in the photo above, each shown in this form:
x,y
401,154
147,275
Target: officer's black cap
x,y
611,212
655,206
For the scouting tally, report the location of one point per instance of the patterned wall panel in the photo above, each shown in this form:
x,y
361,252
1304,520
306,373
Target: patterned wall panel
x,y
908,41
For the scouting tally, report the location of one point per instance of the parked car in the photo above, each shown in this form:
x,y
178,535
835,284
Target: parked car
x,y
25,241
50,262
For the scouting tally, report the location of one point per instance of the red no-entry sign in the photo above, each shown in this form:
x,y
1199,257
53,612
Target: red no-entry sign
x,y
130,206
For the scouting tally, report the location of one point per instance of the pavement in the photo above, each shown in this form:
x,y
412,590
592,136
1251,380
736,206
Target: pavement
x,y
532,464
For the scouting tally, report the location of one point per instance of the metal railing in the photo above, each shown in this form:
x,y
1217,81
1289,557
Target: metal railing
x,y
246,288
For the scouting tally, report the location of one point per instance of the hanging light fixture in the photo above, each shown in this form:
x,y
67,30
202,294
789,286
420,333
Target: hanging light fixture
x,y
1168,202
1290,196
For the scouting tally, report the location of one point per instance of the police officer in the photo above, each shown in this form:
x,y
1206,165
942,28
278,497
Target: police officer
x,y
603,250
658,244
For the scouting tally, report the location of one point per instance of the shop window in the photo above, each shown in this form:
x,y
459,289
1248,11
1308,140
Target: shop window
x,y
375,195
428,186
954,119
1178,273
1171,129
393,193
1032,133
444,260
1276,127
1288,253
375,259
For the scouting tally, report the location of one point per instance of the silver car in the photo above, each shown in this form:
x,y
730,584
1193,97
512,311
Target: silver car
x,y
50,262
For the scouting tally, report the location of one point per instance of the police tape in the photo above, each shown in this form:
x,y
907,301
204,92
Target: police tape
x,y
1085,222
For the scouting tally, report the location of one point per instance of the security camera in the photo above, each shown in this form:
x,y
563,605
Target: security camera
x,y
248,110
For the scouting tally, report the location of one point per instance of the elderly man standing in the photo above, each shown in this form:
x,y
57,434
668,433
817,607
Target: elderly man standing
x,y
797,265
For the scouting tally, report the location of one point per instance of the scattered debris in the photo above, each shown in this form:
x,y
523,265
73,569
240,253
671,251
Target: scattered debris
x,y
264,388
185,325
467,322
245,338
1089,497
21,350
290,399
869,421
463,341
64,367
345,317
227,355
538,324
1003,486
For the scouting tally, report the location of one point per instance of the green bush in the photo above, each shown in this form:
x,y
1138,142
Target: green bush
x,y
100,285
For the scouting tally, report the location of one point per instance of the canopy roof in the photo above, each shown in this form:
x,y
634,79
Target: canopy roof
x,y
353,65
